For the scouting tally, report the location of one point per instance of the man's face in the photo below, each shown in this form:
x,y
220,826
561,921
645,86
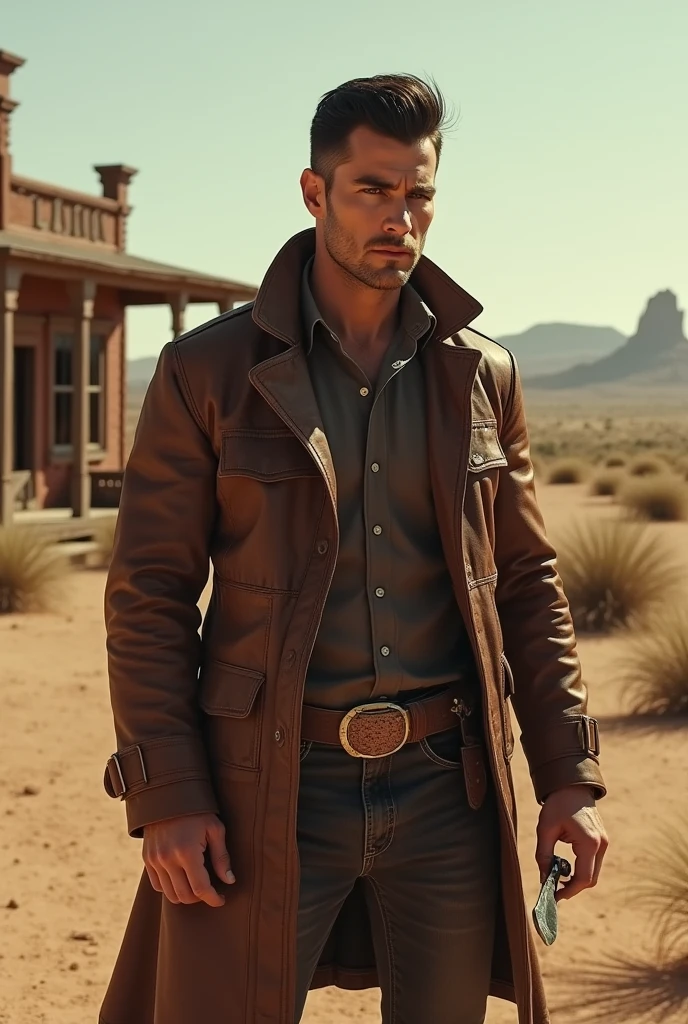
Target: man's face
x,y
374,219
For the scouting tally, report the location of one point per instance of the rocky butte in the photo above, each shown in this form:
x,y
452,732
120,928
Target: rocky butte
x,y
657,354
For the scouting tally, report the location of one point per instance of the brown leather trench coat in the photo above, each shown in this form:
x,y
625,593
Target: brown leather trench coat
x,y
231,466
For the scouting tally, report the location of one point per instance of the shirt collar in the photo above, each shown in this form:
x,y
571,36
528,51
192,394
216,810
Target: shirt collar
x,y
417,319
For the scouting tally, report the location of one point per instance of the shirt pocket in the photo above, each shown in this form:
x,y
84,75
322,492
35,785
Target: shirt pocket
x,y
268,456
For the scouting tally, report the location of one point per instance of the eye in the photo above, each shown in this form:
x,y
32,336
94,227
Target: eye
x,y
372,191
421,195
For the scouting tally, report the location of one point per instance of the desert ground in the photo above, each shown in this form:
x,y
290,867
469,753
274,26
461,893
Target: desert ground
x,y
68,870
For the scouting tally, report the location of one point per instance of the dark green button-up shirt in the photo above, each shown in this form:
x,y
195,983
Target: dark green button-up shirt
x,y
391,623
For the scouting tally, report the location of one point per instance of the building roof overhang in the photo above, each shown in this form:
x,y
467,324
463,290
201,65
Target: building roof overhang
x,y
144,281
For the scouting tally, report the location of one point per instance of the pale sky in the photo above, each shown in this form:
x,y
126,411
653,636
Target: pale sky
x,y
563,190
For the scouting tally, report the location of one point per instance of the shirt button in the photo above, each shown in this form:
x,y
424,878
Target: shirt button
x,y
380,592
364,392
375,467
377,530
384,651
477,459
397,363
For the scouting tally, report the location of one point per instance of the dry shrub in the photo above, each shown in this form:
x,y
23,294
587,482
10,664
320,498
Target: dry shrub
x,y
620,988
656,667
663,889
661,498
567,471
681,466
614,573
647,465
607,482
615,461
30,570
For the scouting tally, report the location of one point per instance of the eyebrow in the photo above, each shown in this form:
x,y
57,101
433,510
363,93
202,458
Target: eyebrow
x,y
371,181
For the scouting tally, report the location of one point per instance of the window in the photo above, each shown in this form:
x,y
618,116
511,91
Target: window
x,y
63,390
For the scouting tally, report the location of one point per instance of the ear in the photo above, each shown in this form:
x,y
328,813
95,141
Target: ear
x,y
313,192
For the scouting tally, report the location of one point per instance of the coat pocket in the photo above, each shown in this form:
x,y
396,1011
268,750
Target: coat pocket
x,y
486,451
270,456
507,692
232,701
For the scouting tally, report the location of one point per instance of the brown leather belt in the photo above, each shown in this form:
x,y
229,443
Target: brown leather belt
x,y
380,728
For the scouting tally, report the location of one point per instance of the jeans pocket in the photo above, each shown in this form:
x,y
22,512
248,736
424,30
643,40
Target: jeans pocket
x,y
443,748
305,749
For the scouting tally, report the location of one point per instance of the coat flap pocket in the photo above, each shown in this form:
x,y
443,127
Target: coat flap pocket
x,y
264,455
229,690
486,450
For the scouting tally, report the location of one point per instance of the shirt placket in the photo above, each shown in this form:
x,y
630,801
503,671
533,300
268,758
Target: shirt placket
x,y
378,518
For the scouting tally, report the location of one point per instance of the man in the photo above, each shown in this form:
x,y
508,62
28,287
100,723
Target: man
x,y
322,778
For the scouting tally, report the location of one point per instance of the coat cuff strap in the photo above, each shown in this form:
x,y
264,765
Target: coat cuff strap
x,y
152,763
573,736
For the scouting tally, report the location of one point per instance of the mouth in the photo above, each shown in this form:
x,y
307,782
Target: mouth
x,y
393,253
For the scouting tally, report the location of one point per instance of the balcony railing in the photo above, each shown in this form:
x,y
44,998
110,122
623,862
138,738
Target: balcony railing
x,y
66,214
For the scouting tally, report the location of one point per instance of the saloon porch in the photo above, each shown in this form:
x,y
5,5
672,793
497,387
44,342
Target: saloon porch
x,y
65,282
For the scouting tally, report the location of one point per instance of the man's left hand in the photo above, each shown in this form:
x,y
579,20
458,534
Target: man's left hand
x,y
570,815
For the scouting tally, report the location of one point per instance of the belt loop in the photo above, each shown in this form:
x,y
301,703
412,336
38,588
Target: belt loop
x,y
419,726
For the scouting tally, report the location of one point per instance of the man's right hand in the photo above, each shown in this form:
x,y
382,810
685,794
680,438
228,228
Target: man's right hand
x,y
173,852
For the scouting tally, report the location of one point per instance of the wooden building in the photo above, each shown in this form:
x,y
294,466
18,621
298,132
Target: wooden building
x,y
66,279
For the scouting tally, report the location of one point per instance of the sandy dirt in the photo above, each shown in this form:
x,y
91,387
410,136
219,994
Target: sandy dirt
x,y
68,870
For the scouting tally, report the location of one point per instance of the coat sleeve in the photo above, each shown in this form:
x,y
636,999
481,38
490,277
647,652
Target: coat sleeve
x,y
159,567
560,741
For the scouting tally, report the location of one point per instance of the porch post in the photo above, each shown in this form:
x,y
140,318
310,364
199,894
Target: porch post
x,y
9,282
178,304
225,304
84,299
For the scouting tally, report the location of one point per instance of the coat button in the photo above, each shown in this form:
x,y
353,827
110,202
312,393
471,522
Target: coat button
x,y
322,547
290,657
384,651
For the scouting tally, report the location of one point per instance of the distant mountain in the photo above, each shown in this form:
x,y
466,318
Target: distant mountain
x,y
551,348
140,371
657,354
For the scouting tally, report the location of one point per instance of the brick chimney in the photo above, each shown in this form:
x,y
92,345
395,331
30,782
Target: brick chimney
x,y
115,180
8,65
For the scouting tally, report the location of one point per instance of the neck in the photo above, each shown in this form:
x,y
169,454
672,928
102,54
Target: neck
x,y
361,317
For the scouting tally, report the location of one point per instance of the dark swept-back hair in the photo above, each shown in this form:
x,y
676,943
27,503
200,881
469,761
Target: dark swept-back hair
x,y
401,107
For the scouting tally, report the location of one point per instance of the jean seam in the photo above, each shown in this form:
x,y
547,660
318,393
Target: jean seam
x,y
391,810
367,808
387,928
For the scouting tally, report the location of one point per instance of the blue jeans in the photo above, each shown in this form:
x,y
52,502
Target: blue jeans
x,y
430,868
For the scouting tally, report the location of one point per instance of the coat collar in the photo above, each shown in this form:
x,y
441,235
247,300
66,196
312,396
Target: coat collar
x,y
277,307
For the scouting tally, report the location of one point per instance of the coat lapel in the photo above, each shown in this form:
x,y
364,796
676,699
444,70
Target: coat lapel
x,y
285,383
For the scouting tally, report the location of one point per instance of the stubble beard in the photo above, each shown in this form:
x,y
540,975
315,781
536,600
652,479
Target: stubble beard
x,y
342,249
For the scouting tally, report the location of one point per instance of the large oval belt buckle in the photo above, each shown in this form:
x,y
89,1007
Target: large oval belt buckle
x,y
377,729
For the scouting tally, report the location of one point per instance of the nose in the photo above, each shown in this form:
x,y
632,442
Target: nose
x,y
398,222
